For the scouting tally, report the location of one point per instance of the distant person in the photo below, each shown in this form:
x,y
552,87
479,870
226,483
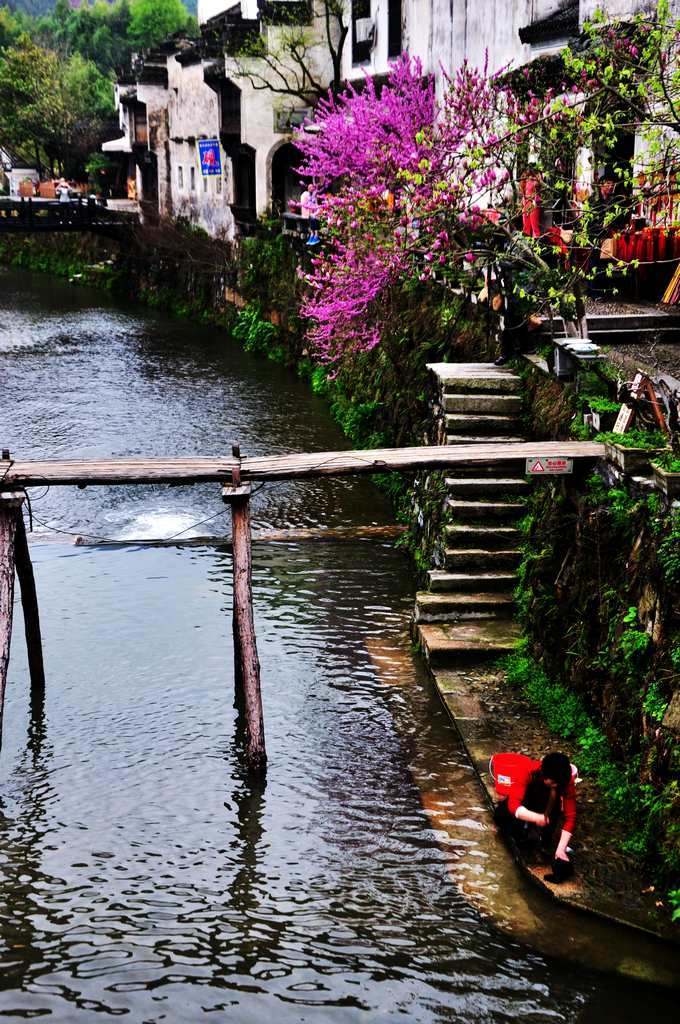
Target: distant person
x,y
309,209
63,191
537,804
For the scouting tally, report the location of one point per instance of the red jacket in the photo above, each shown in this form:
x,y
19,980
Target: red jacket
x,y
511,774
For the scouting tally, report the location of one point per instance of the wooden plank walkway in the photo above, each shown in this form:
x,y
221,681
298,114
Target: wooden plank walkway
x,y
196,470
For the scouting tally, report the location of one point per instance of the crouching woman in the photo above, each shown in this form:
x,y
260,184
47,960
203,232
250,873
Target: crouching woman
x,y
537,804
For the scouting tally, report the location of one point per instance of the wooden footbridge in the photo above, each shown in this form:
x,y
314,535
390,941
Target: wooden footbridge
x,y
236,476
37,216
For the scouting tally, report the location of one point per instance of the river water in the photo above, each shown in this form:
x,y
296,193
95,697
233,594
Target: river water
x,y
140,874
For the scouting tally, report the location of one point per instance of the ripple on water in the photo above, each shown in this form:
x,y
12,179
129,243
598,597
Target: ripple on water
x,y
140,874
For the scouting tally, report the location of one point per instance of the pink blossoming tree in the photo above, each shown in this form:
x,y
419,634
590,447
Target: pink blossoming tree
x,y
415,191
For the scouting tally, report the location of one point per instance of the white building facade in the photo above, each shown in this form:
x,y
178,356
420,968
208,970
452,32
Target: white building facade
x,y
190,92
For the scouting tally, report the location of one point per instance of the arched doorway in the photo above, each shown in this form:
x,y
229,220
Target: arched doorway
x,y
285,179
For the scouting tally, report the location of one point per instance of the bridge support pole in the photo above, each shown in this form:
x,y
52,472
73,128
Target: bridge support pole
x,y
29,604
246,660
10,510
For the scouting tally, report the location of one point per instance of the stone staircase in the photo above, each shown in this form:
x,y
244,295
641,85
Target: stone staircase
x,y
466,615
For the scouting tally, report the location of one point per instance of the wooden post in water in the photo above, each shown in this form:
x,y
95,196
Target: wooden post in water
x,y
29,603
10,510
246,661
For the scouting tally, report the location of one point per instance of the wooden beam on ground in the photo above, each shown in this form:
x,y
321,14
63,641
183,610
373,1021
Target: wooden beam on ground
x,y
29,603
10,510
99,472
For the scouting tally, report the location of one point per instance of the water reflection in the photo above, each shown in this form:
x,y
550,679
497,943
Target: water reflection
x,y
142,874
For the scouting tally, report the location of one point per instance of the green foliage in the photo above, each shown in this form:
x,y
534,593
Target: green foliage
x,y
257,335
51,106
674,900
152,21
669,461
600,404
633,643
669,552
579,430
647,439
615,500
655,703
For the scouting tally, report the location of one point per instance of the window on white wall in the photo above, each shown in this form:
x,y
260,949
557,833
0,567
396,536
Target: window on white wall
x,y
218,185
193,179
205,183
394,42
362,31
180,177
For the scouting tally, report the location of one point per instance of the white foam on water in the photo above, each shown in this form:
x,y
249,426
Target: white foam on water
x,y
160,524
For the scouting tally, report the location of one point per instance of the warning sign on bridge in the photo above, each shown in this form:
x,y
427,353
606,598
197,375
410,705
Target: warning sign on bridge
x,y
549,465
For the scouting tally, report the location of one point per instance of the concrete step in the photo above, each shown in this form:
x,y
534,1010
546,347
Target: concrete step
x,y
477,536
636,336
483,439
482,558
441,581
506,404
468,423
465,642
441,607
484,511
478,377
624,321
491,485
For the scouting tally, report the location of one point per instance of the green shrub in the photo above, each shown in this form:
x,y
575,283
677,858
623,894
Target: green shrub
x,y
669,553
256,334
647,439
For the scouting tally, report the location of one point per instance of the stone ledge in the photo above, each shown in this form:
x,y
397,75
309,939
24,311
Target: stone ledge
x,y
489,717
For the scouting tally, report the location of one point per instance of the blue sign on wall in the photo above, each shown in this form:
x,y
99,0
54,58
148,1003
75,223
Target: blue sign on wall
x,y
210,156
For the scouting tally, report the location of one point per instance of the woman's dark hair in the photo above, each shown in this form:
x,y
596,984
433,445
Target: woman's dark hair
x,y
558,767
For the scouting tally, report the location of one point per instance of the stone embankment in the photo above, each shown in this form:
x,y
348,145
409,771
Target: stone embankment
x,y
464,623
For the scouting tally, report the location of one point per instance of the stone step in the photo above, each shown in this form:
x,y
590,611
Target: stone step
x,y
481,511
455,643
627,335
622,321
467,423
514,468
664,335
482,537
442,607
441,581
470,439
457,402
477,377
491,485
482,558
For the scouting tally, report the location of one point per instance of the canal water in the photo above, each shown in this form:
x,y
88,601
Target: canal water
x,y
141,876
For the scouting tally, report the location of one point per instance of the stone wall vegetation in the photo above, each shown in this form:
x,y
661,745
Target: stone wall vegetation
x,y
597,598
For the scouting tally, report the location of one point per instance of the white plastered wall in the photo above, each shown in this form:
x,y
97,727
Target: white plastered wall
x,y
193,111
